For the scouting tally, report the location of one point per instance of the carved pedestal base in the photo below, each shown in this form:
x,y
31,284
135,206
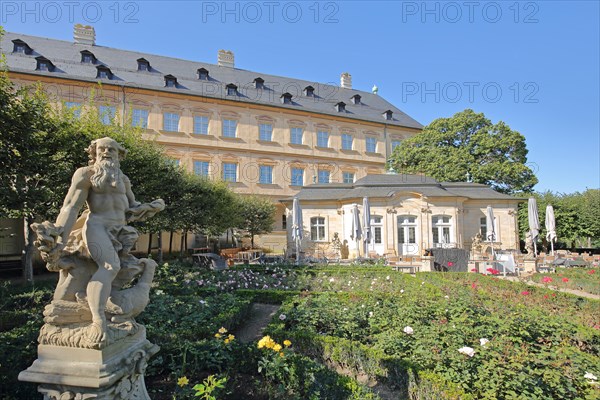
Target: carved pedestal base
x,y
529,266
113,373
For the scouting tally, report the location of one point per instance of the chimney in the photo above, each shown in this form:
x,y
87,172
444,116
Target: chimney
x,y
225,58
84,34
346,80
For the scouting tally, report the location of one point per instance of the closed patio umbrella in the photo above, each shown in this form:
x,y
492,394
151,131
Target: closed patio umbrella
x,y
550,226
356,229
297,226
366,223
534,222
490,229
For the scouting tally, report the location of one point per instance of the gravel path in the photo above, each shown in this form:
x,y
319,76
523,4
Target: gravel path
x,y
260,316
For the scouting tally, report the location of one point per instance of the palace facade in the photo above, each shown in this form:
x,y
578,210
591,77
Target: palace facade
x,y
264,134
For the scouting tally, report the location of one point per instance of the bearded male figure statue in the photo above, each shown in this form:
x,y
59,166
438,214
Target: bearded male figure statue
x,y
90,310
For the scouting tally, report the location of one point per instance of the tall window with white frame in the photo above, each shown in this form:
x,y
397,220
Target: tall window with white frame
x,y
201,168
377,225
107,114
171,122
348,177
371,144
74,107
441,230
317,229
139,118
265,132
229,128
322,139
201,125
230,172
323,176
346,141
297,177
265,175
483,229
296,134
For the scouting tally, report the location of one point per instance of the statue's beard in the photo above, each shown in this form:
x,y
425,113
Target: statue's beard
x,y
106,173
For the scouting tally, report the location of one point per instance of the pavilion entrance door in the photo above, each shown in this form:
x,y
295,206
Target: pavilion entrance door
x,y
407,235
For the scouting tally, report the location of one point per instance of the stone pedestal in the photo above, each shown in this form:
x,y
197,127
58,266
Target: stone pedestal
x,y
427,264
113,373
529,266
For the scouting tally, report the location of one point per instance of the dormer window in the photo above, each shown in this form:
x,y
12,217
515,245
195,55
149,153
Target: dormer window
x,y
231,90
203,74
103,72
143,64
87,57
43,64
356,99
170,81
309,91
388,115
340,107
259,83
20,46
286,98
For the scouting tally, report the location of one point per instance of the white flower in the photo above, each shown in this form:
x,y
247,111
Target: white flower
x,y
408,330
590,376
483,341
467,351
401,290
282,317
203,302
387,277
370,313
159,292
446,297
331,280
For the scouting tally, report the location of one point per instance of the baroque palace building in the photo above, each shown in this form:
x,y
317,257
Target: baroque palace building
x,y
264,134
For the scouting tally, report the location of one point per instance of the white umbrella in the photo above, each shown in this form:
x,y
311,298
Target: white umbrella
x,y
356,229
297,226
490,229
366,223
534,222
550,226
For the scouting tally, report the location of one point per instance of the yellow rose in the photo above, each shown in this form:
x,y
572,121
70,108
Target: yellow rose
x,y
277,347
222,330
287,343
231,337
183,381
227,340
281,354
217,335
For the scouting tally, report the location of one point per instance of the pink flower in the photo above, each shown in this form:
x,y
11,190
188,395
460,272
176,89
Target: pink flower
x,y
525,293
546,279
565,279
450,263
592,271
473,285
473,269
545,296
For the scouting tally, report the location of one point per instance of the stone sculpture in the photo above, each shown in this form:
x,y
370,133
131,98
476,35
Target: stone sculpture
x,y
529,248
92,317
476,244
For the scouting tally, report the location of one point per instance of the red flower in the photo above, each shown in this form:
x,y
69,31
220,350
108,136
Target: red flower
x,y
545,296
553,294
565,279
525,293
473,269
592,271
450,263
473,285
546,279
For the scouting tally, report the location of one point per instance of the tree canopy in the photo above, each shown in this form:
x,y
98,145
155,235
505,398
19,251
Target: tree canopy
x,y
468,146
257,215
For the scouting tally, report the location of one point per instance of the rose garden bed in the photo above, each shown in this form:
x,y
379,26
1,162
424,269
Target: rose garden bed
x,y
429,336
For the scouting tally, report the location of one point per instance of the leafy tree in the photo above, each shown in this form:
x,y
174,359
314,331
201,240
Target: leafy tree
x,y
38,153
257,215
468,144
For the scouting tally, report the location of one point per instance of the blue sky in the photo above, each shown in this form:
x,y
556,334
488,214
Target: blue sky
x,y
533,64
